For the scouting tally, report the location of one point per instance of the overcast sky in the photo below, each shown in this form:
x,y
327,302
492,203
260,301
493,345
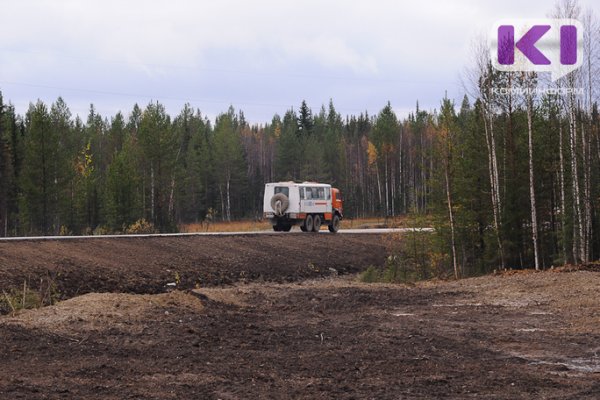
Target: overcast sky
x,y
260,56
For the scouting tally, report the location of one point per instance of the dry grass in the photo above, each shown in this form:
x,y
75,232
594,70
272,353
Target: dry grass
x,y
221,226
255,225
99,311
382,222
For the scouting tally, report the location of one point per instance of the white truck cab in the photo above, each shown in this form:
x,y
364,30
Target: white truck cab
x,y
308,204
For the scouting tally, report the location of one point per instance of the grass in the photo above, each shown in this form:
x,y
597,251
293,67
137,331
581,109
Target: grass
x,y
224,226
394,271
263,225
374,222
25,298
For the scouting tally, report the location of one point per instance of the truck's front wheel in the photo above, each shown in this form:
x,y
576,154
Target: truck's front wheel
x,y
334,226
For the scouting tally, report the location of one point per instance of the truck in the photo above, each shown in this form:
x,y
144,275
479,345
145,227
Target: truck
x,y
308,204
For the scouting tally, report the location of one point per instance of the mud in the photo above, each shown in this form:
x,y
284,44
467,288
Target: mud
x,y
521,335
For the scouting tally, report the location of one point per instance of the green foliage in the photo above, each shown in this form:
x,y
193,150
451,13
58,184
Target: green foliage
x,y
385,130
26,297
289,148
371,275
395,270
194,166
412,256
122,202
159,154
229,163
60,174
41,176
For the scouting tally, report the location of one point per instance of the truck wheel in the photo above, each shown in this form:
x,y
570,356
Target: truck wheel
x,y
302,227
308,223
286,227
317,223
277,228
335,224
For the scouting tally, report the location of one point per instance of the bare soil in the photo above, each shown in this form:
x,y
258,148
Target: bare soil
x,y
289,335
146,265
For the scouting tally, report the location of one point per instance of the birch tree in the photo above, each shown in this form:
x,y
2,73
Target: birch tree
x,y
447,125
530,81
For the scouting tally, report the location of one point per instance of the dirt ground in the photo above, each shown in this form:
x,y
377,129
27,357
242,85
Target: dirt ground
x,y
289,335
147,265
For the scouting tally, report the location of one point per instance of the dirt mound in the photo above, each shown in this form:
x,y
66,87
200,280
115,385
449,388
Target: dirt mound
x,y
513,336
592,267
272,333
98,311
148,265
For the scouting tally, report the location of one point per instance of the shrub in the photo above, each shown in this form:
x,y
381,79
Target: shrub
x,y
26,297
101,230
370,275
140,226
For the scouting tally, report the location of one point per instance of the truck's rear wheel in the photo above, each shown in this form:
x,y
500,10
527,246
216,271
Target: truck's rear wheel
x,y
334,226
308,223
317,223
276,228
286,227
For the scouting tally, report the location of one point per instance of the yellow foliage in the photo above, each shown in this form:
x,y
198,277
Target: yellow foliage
x,y
372,154
84,164
140,226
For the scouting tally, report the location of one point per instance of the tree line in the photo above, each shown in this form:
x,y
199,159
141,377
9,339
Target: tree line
x,y
509,178
60,174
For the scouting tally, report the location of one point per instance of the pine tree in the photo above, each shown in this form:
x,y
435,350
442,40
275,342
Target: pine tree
x,y
121,195
385,136
193,167
229,162
334,149
10,165
447,132
5,171
38,179
289,149
158,146
305,121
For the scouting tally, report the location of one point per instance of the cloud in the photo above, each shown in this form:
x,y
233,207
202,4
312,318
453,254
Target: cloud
x,y
245,53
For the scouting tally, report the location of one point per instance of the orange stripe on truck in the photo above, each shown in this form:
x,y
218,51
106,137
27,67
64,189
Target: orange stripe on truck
x,y
320,203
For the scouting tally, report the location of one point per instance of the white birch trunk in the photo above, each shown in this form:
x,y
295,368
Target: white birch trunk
x,y
578,226
228,200
493,170
152,189
450,211
534,227
563,215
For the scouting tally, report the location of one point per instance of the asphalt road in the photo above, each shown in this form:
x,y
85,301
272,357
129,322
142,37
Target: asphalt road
x,y
252,233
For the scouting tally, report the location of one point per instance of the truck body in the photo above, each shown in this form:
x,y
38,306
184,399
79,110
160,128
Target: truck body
x,y
307,204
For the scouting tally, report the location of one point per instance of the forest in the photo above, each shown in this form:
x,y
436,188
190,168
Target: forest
x,y
509,178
